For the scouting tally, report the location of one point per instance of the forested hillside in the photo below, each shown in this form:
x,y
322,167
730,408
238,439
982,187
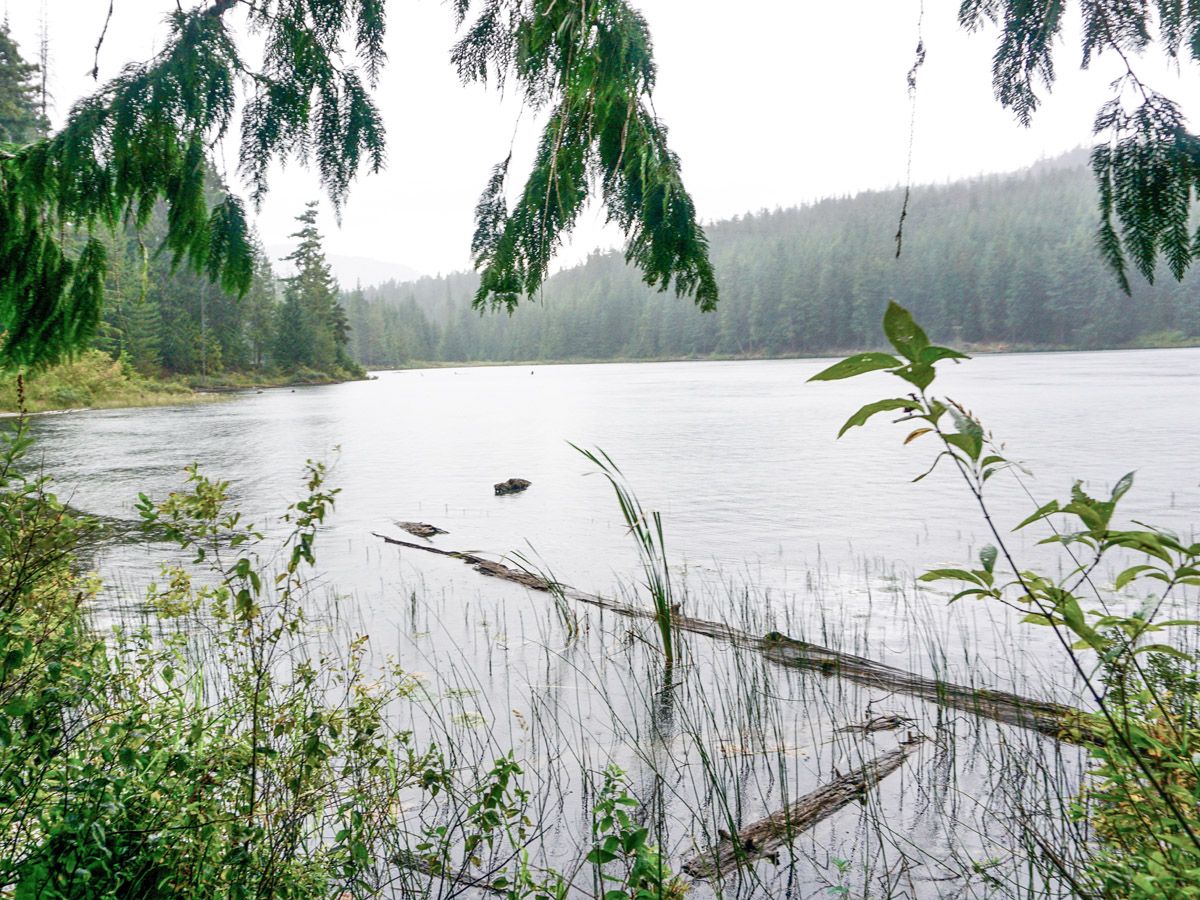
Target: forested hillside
x,y
1006,260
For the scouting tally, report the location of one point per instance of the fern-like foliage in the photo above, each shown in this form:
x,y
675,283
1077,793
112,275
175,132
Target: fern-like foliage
x,y
145,137
1146,161
590,65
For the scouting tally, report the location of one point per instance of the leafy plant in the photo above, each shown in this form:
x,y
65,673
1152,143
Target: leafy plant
x,y
224,748
1143,792
644,874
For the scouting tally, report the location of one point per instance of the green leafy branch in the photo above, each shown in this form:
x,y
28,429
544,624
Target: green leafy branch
x,y
1090,537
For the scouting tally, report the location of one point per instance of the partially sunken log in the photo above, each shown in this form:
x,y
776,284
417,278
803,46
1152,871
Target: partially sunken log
x,y
421,529
1064,723
512,486
761,839
407,860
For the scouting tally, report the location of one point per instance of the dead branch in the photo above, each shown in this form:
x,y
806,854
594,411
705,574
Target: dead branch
x,y
1056,720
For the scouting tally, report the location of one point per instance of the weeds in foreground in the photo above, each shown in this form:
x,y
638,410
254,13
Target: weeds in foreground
x,y
221,749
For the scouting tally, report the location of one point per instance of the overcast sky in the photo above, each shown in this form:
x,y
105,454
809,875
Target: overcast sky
x,y
770,103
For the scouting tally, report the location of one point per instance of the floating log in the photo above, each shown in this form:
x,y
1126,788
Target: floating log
x,y
761,839
421,529
1053,719
512,486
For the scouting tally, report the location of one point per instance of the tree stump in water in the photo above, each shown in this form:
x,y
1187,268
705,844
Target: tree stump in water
x,y
512,486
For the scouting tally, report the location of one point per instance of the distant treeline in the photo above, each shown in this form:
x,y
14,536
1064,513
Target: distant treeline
x,y
1006,260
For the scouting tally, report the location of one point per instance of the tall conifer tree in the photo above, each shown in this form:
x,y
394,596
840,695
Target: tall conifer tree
x,y
21,115
313,328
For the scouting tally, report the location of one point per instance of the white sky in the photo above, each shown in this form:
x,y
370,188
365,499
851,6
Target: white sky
x,y
770,103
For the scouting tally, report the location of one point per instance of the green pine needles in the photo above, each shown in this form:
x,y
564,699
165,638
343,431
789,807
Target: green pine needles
x,y
1147,163
592,66
146,136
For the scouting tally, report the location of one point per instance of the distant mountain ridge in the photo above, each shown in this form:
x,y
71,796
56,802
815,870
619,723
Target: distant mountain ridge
x,y
998,260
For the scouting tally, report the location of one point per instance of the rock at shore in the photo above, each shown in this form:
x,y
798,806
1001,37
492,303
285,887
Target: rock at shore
x,y
421,529
512,486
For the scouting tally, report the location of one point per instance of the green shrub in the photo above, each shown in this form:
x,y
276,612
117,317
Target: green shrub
x,y
1142,795
222,749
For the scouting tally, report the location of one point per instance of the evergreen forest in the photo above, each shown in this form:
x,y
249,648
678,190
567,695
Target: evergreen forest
x,y
1001,261
162,317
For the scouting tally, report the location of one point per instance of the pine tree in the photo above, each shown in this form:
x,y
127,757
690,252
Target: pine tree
x,y
22,118
260,305
145,136
313,328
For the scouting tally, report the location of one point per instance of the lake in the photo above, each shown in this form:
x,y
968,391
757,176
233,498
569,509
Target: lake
x,y
770,522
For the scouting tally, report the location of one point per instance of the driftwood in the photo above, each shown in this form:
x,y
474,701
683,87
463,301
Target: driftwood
x,y
876,723
411,861
761,839
482,566
1054,719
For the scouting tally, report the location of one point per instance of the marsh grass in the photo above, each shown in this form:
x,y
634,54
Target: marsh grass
x,y
718,739
731,737
647,531
93,380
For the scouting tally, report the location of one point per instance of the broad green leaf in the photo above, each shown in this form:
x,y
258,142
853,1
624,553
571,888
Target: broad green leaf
x,y
965,423
967,443
1129,575
987,556
861,417
1072,613
971,592
1088,514
858,364
918,374
903,332
1121,488
955,574
932,354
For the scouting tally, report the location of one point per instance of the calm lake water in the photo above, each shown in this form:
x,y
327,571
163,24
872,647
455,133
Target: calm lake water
x,y
740,457
770,523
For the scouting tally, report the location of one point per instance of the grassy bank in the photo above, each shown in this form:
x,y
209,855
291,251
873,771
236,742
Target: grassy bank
x,y
94,380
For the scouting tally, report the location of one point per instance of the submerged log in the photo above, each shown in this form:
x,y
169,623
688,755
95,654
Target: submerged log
x,y
761,839
1056,720
407,860
512,486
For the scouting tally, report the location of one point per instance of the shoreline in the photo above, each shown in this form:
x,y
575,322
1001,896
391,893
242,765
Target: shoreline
x,y
94,381
972,350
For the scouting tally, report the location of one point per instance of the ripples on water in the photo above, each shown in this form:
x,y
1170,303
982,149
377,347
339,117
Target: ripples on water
x,y
772,524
